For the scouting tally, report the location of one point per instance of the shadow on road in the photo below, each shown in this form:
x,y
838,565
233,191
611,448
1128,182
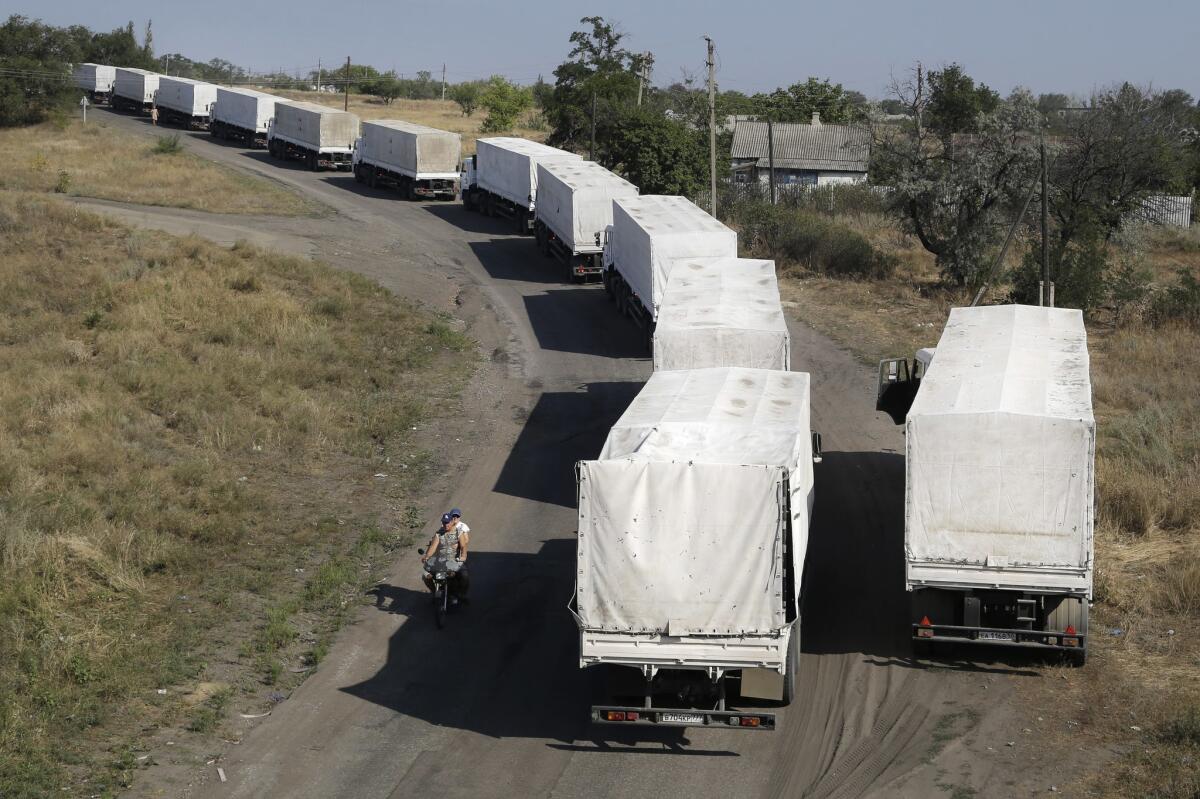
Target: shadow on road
x,y
582,320
515,259
475,222
1009,664
563,427
854,596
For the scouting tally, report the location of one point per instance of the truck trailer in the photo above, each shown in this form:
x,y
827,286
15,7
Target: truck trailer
x,y
722,312
96,80
187,102
501,178
693,531
574,209
134,89
1000,481
243,115
419,161
316,135
649,235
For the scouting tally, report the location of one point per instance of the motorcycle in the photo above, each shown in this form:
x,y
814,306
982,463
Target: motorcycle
x,y
441,593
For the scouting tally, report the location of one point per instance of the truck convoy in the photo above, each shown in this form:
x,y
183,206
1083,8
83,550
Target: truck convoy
x,y
243,115
693,530
96,80
316,135
134,89
417,160
721,312
574,209
184,101
1000,480
502,178
649,235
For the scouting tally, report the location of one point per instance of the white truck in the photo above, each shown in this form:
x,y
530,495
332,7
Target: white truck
x,y
134,89
722,312
501,178
184,101
693,531
1000,480
419,161
95,79
243,115
574,209
316,135
649,235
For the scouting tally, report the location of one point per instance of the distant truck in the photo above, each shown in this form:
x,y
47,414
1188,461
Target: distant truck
x,y
243,115
1000,479
316,135
96,80
501,179
419,161
574,209
649,235
134,89
721,312
187,102
693,532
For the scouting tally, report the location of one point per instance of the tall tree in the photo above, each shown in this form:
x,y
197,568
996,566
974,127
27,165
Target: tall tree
x,y
34,63
956,104
504,101
798,102
598,73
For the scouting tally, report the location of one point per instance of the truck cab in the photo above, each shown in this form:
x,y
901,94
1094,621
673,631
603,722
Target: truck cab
x,y
467,182
898,382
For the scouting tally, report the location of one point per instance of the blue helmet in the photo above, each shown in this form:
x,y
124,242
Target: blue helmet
x,y
456,513
447,518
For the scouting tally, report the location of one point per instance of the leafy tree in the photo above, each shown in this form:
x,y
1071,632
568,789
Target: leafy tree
x,y
1052,103
504,102
543,93
599,71
798,102
386,87
34,66
956,103
656,153
466,95
893,106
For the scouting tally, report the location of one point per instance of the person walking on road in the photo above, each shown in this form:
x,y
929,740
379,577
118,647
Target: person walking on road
x,y
154,115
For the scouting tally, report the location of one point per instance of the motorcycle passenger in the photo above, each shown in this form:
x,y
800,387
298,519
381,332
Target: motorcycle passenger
x,y
448,550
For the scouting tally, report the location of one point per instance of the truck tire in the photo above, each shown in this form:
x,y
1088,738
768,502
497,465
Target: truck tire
x,y
519,222
372,177
312,162
410,190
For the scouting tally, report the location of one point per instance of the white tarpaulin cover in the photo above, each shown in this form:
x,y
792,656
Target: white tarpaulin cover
x,y
418,151
135,84
95,77
245,108
682,520
1000,447
316,126
507,166
574,199
187,96
650,233
722,312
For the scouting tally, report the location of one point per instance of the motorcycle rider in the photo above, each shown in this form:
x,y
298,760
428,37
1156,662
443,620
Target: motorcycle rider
x,y
448,549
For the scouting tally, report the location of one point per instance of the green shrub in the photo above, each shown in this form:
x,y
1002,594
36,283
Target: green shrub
x,y
63,185
816,244
168,145
1180,302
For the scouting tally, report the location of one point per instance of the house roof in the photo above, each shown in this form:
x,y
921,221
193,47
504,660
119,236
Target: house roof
x,y
827,148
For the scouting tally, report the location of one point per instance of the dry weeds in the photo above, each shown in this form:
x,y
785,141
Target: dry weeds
x,y
182,425
99,161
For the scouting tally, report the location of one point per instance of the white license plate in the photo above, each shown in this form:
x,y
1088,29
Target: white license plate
x,y
989,636
681,718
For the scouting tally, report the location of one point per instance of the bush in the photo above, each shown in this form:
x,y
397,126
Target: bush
x,y
63,185
1080,274
816,244
168,145
1180,302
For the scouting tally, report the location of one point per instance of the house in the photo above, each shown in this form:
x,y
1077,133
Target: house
x,y
812,155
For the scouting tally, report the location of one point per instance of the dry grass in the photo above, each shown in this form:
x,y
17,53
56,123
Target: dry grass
x,y
444,115
182,426
99,161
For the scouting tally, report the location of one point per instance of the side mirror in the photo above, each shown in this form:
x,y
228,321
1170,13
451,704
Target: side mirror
x,y
816,447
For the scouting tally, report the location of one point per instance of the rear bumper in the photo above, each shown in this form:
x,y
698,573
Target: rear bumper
x,y
999,636
660,717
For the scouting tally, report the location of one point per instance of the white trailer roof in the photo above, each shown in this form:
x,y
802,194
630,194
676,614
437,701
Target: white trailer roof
x,y
575,200
722,312
684,518
1000,453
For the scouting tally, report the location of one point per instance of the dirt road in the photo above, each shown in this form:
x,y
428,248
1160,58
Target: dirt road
x,y
495,705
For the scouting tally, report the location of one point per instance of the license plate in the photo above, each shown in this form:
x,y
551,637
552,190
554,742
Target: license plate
x,y
989,636
681,718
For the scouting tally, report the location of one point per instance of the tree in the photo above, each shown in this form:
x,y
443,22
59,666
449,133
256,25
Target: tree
x,y
798,102
598,72
956,103
34,65
386,87
504,102
467,97
658,154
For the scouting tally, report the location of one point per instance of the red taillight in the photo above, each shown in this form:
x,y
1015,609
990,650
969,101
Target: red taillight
x,y
925,629
750,721
1070,629
631,716
615,715
925,622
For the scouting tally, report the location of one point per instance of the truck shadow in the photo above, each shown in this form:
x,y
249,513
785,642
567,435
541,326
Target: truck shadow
x,y
562,428
854,597
515,258
475,222
506,666
583,321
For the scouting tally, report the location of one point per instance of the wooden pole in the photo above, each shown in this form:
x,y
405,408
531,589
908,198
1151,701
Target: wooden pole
x,y
346,102
712,128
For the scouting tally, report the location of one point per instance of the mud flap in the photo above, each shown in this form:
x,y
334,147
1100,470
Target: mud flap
x,y
762,684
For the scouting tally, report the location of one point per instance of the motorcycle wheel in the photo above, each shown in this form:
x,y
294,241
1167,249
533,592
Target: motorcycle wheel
x,y
439,606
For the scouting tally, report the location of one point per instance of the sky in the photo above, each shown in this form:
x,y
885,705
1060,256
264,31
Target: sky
x,y
1069,46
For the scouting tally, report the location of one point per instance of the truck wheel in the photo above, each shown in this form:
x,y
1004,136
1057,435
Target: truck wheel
x,y
372,177
410,190
312,162
608,289
520,222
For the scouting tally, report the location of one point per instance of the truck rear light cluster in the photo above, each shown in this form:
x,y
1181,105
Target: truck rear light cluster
x,y
750,721
925,630
621,715
1069,639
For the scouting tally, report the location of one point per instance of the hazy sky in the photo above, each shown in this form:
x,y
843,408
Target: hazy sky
x,y
1052,45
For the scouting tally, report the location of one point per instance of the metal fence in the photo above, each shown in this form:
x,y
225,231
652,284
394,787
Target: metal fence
x,y
1166,210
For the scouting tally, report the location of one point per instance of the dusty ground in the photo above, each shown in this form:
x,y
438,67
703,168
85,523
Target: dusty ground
x,y
396,704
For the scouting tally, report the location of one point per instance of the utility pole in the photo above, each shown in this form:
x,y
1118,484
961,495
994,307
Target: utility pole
x,y
443,82
592,149
167,68
346,102
319,75
919,102
771,156
1048,295
712,127
643,75
231,76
